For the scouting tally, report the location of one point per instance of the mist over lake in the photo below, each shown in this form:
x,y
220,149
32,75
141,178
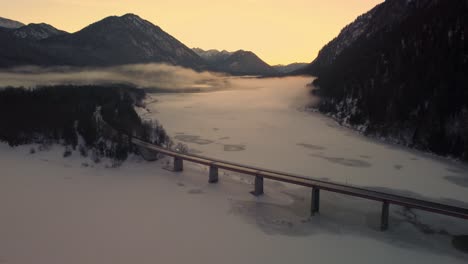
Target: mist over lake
x,y
152,76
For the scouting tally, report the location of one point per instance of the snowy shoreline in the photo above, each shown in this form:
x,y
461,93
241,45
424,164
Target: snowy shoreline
x,y
387,140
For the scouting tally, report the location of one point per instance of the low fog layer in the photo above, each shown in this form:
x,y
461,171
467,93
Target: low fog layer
x,y
153,76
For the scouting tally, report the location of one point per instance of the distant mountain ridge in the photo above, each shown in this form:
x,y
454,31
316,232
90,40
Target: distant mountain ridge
x,y
212,55
118,40
122,40
240,62
112,41
290,68
401,72
215,57
245,63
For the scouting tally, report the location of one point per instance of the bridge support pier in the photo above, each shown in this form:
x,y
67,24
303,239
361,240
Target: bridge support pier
x,y
213,174
178,164
258,186
315,201
384,217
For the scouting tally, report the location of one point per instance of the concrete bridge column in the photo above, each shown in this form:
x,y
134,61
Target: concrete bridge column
x,y
258,186
213,174
384,217
178,164
315,201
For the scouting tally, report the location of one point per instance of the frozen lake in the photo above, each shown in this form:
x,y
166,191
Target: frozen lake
x,y
72,210
261,122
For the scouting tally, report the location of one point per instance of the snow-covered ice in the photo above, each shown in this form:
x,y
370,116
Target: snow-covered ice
x,y
54,210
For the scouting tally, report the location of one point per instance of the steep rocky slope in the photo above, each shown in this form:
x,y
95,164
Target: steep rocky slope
x,y
401,72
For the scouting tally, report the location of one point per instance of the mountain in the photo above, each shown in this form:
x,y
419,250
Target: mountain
x,y
115,41
20,45
290,68
245,63
400,72
212,55
37,31
15,51
379,19
8,23
111,41
122,40
237,63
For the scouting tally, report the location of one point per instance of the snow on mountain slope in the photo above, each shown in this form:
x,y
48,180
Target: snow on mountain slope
x,y
403,78
37,31
381,17
115,40
212,55
8,23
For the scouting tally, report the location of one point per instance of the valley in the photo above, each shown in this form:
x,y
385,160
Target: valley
x,y
326,131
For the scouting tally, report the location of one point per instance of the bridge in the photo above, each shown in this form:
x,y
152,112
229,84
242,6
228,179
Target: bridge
x,y
316,185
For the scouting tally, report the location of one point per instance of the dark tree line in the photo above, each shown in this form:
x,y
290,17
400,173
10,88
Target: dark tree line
x,y
76,116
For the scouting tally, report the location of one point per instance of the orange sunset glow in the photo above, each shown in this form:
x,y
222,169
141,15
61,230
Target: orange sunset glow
x,y
280,32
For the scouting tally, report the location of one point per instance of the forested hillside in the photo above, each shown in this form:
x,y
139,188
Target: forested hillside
x,y
406,81
78,117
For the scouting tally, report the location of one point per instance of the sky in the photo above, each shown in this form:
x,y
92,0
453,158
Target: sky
x,y
278,31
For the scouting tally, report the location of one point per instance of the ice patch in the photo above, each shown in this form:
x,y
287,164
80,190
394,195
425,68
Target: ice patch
x,y
193,139
234,147
310,146
343,161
